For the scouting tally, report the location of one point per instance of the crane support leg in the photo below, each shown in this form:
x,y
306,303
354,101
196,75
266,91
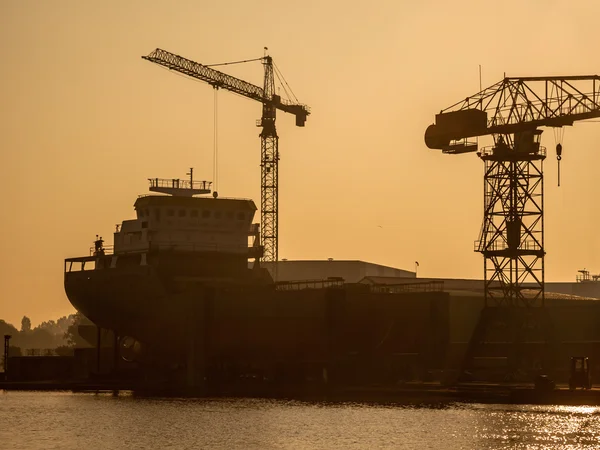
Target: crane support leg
x,y
512,244
269,183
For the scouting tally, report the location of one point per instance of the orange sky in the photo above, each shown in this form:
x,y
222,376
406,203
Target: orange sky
x,y
84,121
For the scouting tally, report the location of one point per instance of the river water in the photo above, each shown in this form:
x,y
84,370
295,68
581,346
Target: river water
x,y
41,420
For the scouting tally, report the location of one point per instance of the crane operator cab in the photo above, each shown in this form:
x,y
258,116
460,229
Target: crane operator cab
x,y
580,373
528,141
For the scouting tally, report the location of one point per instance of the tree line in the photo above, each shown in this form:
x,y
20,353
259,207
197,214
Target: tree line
x,y
57,335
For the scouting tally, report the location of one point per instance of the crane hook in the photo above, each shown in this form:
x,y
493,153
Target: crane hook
x,y
558,158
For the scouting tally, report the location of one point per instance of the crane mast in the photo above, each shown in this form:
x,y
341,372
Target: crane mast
x,y
269,174
271,102
512,234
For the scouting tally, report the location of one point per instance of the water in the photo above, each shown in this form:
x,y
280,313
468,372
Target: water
x,y
40,420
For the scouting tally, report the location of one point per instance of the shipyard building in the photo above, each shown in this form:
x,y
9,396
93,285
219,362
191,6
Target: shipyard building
x,y
351,271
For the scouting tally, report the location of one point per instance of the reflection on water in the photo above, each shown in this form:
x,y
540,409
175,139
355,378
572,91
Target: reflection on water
x,y
36,420
539,427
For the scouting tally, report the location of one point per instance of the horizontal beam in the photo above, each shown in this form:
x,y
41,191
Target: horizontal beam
x,y
514,105
220,80
567,78
199,71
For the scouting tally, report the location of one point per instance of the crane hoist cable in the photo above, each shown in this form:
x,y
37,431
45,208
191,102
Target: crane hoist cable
x,y
216,112
284,83
216,122
234,62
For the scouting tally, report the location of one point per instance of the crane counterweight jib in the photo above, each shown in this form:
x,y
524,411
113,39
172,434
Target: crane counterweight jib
x,y
514,105
455,125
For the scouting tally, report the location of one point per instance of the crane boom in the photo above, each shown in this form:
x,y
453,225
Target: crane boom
x,y
515,105
221,80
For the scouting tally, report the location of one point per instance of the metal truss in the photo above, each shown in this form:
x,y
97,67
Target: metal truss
x,y
221,80
524,103
512,235
269,173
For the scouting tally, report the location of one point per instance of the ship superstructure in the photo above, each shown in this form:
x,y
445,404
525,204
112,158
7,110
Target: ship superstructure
x,y
182,222
180,218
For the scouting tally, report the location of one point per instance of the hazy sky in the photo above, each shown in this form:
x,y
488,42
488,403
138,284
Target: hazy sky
x,y
84,121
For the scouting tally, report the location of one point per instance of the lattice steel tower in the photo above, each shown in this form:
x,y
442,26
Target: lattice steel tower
x,y
269,163
512,234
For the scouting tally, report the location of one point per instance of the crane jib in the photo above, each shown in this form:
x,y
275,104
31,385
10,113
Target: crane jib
x,y
222,80
514,105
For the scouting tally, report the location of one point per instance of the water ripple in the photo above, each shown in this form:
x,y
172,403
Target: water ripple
x,y
36,420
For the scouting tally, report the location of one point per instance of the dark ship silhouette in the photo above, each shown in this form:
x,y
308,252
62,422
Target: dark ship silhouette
x,y
179,290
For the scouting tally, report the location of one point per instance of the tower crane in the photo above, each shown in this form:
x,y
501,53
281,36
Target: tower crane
x,y
271,102
511,240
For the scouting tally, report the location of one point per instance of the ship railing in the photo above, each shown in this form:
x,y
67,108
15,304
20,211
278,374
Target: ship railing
x,y
501,244
490,150
333,282
90,262
422,286
176,183
174,246
219,198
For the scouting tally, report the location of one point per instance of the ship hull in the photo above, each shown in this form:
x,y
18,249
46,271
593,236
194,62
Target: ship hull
x,y
245,322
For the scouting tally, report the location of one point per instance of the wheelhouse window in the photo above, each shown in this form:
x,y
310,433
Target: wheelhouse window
x,y
170,212
206,214
241,215
230,215
182,213
194,213
218,214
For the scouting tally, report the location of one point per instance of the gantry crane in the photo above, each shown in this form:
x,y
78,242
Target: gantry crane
x,y
269,139
512,234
